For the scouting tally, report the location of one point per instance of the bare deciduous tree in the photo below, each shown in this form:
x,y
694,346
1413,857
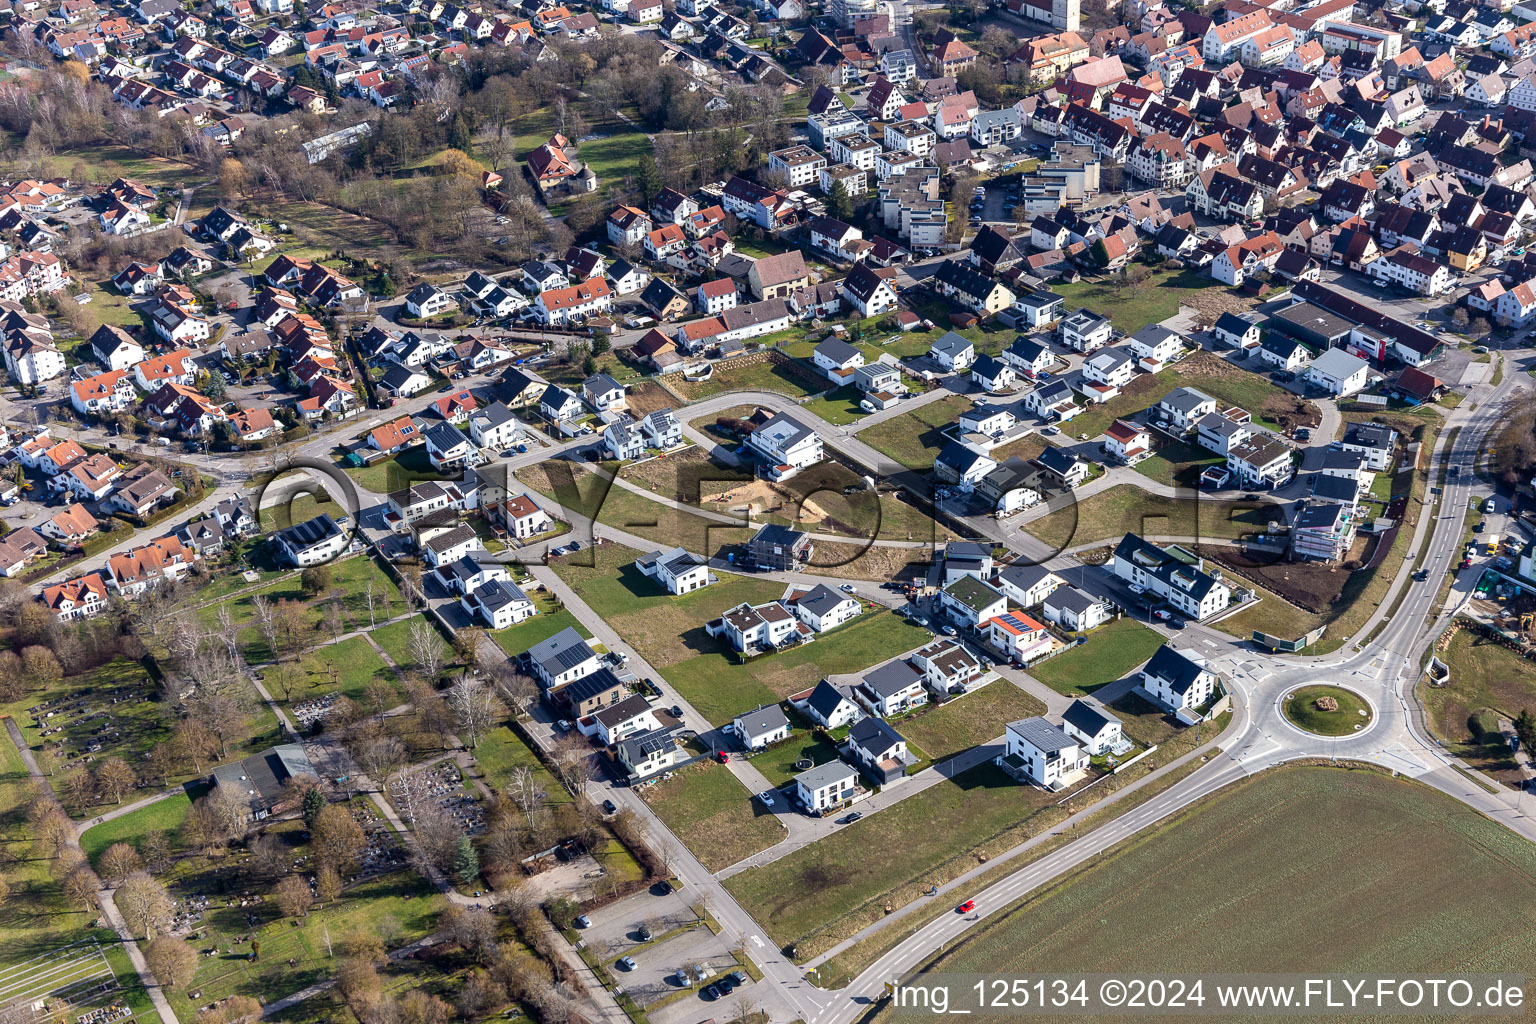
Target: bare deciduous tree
x,y
476,708
426,647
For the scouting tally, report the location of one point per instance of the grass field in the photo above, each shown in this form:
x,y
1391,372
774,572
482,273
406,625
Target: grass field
x,y
915,438
1123,508
550,620
1483,675
1110,653
347,668
1228,384
348,590
721,688
714,815
389,475
966,721
1301,709
779,377
840,406
1134,307
1248,880
822,892
1179,463
162,816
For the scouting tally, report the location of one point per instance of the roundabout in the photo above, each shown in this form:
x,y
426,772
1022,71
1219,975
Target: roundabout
x,y
1325,709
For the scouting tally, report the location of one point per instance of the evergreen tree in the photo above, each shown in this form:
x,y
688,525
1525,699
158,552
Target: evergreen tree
x,y
1525,729
839,206
648,178
314,803
459,136
466,862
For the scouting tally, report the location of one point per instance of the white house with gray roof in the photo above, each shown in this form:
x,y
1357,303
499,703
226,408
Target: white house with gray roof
x,y
953,352
892,688
499,603
879,751
827,786
1074,610
1097,730
1042,753
1027,585
784,447
661,429
761,727
1182,583
647,753
1182,407
494,426
561,659
823,608
1177,680
628,717
969,601
677,570
830,705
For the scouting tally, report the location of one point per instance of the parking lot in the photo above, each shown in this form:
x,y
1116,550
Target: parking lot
x,y
615,932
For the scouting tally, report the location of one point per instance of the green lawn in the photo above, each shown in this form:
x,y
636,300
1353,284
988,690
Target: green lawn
x,y
1124,508
503,750
840,406
1247,879
1135,306
915,438
348,591
346,668
615,157
778,762
1484,677
969,720
720,687
550,620
1302,709
401,898
162,816
1179,464
1111,652
779,377
389,475
395,639
714,815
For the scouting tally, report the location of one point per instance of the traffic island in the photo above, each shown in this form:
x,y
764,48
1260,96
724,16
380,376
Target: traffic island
x,y
1327,710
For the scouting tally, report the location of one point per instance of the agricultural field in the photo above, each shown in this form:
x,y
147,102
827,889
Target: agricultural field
x,y
714,815
1269,875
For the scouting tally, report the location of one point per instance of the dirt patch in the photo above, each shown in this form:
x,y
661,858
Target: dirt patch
x,y
857,562
1210,303
647,397
1314,586
679,476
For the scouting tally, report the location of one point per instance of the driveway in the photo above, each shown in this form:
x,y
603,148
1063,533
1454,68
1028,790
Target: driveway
x,y
654,977
612,932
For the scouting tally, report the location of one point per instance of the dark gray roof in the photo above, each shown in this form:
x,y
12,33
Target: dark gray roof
x,y
892,677
498,594
1173,665
589,686
755,723
260,777
632,706
1072,599
1024,576
640,746
1088,718
837,350
874,735
821,599
1369,435
560,652
309,533
1042,735
825,699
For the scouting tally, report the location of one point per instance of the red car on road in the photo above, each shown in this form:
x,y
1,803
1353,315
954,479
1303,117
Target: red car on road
x,y
966,907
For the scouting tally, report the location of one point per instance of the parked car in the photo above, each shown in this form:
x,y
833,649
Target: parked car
x,y
644,932
609,807
850,818
582,921
626,963
1162,614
